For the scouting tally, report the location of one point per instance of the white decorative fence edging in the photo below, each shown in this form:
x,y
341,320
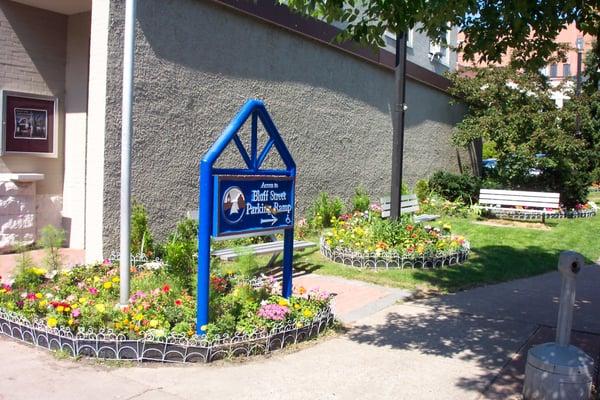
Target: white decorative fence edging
x,y
107,344
393,259
516,215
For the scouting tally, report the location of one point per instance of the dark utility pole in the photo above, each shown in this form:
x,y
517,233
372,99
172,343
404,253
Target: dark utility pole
x,y
579,46
399,110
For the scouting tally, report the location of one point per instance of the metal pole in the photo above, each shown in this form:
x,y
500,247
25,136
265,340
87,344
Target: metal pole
x,y
398,139
578,85
288,259
126,131
204,229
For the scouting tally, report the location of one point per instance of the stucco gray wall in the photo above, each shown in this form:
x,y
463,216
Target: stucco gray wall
x,y
196,64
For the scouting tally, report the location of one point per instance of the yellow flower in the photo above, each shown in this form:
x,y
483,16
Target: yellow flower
x,y
39,295
38,271
70,321
283,302
83,300
118,325
100,307
297,306
60,309
67,309
115,279
43,303
203,327
447,227
138,317
154,323
96,279
74,305
190,332
307,313
107,285
52,322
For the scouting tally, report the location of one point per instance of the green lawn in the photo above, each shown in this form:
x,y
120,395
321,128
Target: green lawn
x,y
498,254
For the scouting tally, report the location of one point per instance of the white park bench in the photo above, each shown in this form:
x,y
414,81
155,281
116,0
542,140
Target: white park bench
x,y
274,247
408,205
519,204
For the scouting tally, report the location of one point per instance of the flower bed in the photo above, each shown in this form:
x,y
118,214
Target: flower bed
x,y
75,311
366,241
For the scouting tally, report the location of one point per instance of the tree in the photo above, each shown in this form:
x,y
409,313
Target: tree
x,y
491,28
591,97
535,141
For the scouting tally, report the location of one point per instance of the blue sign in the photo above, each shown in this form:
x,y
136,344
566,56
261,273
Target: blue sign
x,y
252,204
245,200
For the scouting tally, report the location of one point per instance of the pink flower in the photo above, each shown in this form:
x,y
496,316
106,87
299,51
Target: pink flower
x,y
76,312
274,312
93,290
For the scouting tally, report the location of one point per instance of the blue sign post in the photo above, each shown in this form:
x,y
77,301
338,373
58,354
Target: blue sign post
x,y
251,200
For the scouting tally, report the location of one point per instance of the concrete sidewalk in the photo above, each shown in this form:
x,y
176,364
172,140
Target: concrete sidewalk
x,y
464,346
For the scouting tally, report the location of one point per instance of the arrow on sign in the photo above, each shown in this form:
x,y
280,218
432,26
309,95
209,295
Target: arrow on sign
x,y
272,220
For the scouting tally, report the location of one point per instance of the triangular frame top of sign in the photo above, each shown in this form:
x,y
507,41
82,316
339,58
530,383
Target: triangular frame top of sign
x,y
254,159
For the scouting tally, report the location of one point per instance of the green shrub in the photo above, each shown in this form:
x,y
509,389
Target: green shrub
x,y
141,240
422,189
489,149
360,200
52,239
454,187
324,210
180,251
24,260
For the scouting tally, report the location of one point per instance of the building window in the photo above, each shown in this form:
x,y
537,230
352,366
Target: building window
x,y
553,70
391,38
440,51
567,70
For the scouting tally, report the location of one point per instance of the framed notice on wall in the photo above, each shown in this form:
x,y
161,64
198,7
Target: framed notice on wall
x,y
29,124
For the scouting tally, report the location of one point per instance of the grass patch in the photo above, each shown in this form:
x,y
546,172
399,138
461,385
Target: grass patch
x,y
498,253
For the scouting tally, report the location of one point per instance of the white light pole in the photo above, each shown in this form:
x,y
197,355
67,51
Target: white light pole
x,y
126,133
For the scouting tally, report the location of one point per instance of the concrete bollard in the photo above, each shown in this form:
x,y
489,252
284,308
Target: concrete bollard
x,y
560,371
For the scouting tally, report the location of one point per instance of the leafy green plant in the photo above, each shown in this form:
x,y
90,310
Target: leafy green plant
x,y
422,189
180,251
454,187
360,200
324,210
24,259
246,263
141,240
52,239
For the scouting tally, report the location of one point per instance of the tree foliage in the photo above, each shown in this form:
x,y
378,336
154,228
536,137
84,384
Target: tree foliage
x,y
491,28
515,111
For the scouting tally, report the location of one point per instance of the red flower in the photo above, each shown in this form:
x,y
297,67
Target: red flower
x,y
409,227
166,288
178,302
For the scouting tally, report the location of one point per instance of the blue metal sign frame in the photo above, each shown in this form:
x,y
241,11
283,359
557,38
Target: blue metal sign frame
x,y
209,178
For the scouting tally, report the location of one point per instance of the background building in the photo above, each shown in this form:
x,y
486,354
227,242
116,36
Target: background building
x,y
557,73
